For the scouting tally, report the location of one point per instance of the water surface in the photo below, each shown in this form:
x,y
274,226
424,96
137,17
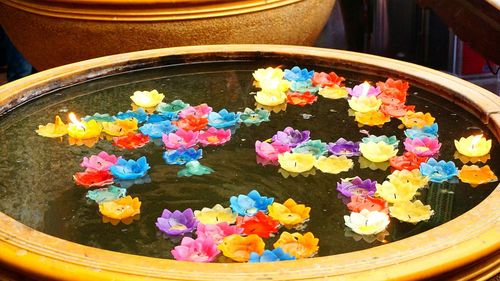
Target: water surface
x,y
36,185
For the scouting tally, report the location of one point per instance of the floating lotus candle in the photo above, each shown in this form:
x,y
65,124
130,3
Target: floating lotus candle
x,y
473,146
199,250
106,194
93,178
156,130
131,141
396,190
269,73
175,106
191,123
326,79
314,147
296,162
249,205
334,92
365,202
356,186
297,74
364,103
408,161
289,213
99,162
298,245
217,232
254,117
215,215
181,138
438,171
411,212
475,175
363,90
182,155
343,147
83,130
121,209
377,151
194,168
238,248
371,118
367,222
413,177
129,170
201,110
177,222
393,87
424,147
333,164
417,119
396,110
223,119
53,130
270,98
147,98
425,132
261,225
120,127
270,256
291,137
301,99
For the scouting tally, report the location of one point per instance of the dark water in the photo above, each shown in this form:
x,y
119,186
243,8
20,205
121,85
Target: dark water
x,y
36,185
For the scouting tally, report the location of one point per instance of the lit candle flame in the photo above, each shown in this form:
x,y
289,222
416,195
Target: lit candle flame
x,y
74,120
366,88
475,140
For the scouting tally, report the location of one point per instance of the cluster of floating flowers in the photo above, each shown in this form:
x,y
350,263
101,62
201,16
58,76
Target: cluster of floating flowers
x,y
238,231
370,203
177,126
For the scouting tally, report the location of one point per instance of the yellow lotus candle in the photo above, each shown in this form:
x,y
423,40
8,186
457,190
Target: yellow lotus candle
x,y
147,98
473,146
296,162
83,130
377,151
270,98
53,130
364,103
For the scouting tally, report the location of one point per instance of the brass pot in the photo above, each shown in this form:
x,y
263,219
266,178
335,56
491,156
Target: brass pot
x,y
468,246
51,33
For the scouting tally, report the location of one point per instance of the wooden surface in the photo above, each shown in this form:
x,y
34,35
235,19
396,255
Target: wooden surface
x,y
455,244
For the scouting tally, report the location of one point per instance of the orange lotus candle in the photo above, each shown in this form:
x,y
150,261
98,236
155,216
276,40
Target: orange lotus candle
x,y
473,146
83,130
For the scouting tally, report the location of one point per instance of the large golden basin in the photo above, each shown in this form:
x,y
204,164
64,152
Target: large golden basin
x,y
54,32
466,247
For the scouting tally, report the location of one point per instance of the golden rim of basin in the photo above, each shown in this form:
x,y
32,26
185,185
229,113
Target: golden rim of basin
x,y
455,245
144,10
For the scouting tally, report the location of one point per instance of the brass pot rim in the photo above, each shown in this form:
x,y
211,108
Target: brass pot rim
x,y
471,236
139,10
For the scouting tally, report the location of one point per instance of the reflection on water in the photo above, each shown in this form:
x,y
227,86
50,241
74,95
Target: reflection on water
x,y
36,185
